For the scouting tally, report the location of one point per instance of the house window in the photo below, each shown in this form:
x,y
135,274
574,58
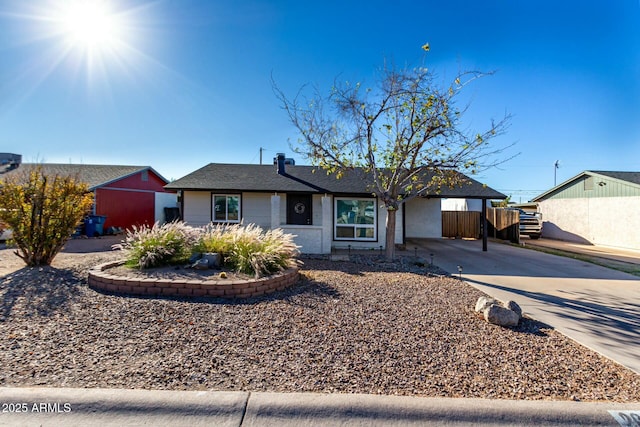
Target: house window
x,y
355,219
145,176
226,208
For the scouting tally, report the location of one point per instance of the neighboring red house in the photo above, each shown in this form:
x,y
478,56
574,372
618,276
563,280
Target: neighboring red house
x,y
126,195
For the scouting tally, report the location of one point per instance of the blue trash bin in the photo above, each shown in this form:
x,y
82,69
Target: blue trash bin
x,y
99,221
89,227
94,225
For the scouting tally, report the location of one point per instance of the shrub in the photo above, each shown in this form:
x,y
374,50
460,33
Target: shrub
x,y
245,249
165,244
42,211
259,252
216,238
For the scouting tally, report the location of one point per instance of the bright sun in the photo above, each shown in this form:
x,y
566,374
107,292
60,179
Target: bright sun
x,y
89,24
96,39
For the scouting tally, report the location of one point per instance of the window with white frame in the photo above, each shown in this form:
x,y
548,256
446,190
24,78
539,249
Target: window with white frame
x,y
355,219
226,208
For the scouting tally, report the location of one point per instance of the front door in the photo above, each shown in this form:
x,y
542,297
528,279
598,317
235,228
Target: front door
x,y
299,209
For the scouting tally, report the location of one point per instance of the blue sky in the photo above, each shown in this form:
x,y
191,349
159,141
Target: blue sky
x,y
188,82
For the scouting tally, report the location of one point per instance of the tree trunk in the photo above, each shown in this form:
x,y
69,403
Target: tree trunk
x,y
390,241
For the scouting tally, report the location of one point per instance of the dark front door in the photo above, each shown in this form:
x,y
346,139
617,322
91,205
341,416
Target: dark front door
x,y
299,209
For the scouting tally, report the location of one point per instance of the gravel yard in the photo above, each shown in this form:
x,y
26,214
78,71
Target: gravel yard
x,y
346,327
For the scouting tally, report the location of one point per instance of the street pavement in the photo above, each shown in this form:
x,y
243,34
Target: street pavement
x,y
596,306
113,407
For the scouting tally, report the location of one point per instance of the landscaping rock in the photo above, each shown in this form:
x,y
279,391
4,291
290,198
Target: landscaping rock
x,y
363,326
501,316
201,264
483,303
195,257
513,306
213,259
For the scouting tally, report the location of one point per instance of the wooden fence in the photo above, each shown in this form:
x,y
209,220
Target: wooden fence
x,y
461,224
504,224
501,224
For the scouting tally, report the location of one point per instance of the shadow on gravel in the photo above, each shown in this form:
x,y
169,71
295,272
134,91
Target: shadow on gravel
x,y
37,291
532,327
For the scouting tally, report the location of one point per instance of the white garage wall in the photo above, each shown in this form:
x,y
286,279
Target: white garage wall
x,y
473,205
609,221
424,218
164,200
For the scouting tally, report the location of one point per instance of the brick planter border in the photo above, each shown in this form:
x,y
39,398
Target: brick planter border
x,y
100,279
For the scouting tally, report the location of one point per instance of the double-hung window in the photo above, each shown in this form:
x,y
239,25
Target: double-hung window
x,y
355,219
226,208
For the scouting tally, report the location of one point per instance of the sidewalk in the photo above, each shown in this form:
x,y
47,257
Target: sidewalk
x,y
114,407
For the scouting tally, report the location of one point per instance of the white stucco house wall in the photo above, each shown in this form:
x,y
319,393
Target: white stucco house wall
x,y
321,211
464,205
596,207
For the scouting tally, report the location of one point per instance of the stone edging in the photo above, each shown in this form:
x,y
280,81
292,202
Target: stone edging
x,y
101,280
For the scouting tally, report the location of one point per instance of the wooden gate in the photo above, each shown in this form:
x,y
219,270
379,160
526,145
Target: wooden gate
x,y
461,224
504,224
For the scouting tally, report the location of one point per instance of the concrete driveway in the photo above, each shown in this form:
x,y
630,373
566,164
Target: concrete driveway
x,y
596,306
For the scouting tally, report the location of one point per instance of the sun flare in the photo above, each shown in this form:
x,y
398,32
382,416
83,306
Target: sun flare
x,y
89,24
90,43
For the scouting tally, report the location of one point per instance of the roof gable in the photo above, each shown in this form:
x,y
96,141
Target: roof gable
x,y
631,179
264,178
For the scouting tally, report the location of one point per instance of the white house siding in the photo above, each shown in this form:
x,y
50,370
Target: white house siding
x,y
317,238
256,209
424,218
609,221
473,205
316,209
197,207
283,208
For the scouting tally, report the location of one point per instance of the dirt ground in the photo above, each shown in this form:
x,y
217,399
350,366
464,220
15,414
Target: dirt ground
x,y
79,246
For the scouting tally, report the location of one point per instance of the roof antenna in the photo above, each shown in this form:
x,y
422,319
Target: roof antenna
x,y
555,171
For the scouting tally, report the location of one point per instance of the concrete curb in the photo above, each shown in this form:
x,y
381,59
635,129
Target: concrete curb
x,y
116,407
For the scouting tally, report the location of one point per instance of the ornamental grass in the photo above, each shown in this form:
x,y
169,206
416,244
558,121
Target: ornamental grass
x,y
160,245
244,249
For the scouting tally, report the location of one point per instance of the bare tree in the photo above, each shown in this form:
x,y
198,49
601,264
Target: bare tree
x,y
405,133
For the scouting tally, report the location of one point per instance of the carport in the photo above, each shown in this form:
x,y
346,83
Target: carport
x,y
471,190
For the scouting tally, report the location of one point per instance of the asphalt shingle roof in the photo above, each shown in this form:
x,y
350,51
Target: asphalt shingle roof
x,y
94,175
242,177
632,177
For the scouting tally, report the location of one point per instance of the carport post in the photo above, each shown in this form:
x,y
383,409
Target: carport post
x,y
484,225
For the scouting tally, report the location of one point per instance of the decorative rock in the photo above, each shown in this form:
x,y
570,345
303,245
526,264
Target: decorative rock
x,y
201,264
195,257
483,303
214,259
501,316
513,306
